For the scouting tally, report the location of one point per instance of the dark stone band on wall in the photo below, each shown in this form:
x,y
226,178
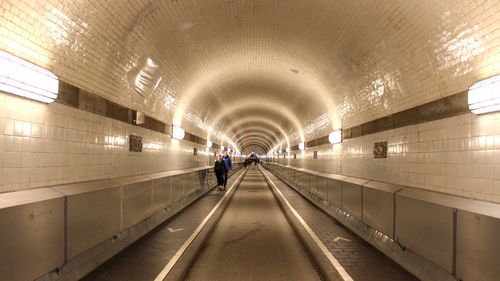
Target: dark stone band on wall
x,y
73,96
449,106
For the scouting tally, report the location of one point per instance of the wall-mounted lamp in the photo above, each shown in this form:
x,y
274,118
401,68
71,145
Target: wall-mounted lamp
x,y
484,96
288,149
302,146
209,143
335,136
221,148
22,78
178,133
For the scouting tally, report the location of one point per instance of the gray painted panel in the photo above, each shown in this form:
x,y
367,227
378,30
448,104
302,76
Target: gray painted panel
x,y
92,218
425,228
202,179
303,180
188,184
313,184
31,237
322,187
335,193
176,188
378,210
352,199
478,249
161,193
137,202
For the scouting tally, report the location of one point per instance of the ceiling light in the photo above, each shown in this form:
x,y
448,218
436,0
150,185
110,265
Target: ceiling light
x,y
178,133
484,96
302,146
22,78
209,143
335,136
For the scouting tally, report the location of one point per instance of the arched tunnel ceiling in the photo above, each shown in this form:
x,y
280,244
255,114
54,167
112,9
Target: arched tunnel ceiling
x,y
306,66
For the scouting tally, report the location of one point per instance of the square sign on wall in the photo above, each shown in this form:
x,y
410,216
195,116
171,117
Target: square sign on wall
x,y
135,143
380,150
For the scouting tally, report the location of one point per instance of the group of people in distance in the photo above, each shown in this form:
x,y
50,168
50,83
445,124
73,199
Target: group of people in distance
x,y
249,160
222,166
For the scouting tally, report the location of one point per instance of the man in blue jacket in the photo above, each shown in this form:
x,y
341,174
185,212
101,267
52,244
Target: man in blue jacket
x,y
229,167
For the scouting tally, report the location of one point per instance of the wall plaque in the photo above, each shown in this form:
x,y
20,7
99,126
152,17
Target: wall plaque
x,y
195,151
380,150
135,143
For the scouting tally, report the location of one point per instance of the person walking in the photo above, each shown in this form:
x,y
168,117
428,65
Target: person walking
x,y
220,171
228,164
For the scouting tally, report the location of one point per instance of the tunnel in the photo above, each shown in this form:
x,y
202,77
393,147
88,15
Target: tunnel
x,y
249,140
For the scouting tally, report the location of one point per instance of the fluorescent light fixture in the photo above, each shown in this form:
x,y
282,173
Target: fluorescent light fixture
x,y
209,143
335,136
22,78
151,63
178,133
302,146
484,96
288,149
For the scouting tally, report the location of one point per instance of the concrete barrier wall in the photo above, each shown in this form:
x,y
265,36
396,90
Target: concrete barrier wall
x,y
42,229
457,236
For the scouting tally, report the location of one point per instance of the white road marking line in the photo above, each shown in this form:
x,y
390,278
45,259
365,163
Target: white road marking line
x,y
343,273
188,242
339,238
174,230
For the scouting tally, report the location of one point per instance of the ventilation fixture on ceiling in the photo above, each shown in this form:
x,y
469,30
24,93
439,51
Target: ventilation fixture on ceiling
x,y
22,78
484,96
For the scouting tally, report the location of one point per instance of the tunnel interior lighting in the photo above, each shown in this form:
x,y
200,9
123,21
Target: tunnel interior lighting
x,y
209,143
335,137
302,146
22,78
484,96
178,133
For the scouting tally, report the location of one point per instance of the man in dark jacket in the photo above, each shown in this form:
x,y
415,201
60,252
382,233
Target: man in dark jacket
x,y
220,171
228,164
